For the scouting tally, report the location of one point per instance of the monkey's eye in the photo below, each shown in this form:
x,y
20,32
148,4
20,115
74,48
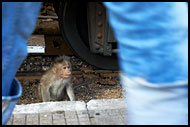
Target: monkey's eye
x,y
68,67
64,67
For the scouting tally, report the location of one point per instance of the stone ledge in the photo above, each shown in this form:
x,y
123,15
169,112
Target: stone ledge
x,y
103,104
99,104
50,107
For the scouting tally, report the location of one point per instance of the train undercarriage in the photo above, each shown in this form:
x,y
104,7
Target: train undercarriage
x,y
85,29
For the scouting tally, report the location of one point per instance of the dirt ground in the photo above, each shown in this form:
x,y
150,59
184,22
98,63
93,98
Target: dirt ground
x,y
82,93
88,85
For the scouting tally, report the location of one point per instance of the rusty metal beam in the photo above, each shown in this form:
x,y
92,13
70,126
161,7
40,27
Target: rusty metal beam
x,y
38,74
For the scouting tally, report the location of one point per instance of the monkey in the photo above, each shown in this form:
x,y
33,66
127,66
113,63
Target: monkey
x,y
57,81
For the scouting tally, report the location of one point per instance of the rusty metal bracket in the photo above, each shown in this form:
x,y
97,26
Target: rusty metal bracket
x,y
53,45
100,34
96,25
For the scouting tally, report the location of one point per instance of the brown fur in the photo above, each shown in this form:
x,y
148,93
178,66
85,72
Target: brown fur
x,y
54,83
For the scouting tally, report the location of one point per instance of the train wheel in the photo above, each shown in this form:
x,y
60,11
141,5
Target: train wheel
x,y
74,29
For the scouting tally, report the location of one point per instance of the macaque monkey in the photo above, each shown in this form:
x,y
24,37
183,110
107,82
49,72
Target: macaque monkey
x,y
56,81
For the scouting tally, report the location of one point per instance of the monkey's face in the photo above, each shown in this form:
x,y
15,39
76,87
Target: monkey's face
x,y
63,70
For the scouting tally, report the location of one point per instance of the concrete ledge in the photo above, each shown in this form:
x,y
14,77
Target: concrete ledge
x,y
104,104
99,104
95,112
50,107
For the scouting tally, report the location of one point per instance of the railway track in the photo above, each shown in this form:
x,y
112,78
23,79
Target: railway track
x,y
88,76
35,66
31,75
87,84
82,73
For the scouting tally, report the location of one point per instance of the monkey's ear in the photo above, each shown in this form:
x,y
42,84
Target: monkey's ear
x,y
54,68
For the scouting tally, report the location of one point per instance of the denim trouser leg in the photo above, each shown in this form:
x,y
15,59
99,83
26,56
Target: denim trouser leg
x,y
18,23
8,103
152,104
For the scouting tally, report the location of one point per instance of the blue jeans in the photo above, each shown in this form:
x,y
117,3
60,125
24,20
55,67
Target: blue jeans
x,y
18,23
155,104
153,56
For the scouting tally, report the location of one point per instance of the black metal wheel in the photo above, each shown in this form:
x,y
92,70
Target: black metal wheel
x,y
74,29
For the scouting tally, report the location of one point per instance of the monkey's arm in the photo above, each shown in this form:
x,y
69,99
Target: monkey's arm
x,y
70,92
45,93
39,92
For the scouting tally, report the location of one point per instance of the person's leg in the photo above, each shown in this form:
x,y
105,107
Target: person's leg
x,y
9,102
18,23
152,40
148,103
